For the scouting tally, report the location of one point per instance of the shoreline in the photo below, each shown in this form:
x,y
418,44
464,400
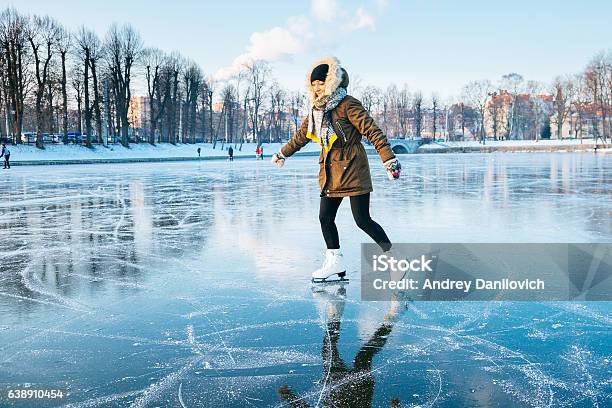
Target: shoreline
x,y
534,147
139,160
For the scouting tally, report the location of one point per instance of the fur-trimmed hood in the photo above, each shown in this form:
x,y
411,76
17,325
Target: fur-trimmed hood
x,y
336,76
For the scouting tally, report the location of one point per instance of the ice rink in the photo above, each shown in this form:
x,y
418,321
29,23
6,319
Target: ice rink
x,y
188,284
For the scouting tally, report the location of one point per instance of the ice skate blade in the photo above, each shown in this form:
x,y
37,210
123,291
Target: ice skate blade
x,y
340,277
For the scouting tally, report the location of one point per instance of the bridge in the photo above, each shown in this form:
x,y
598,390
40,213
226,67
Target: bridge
x,y
399,146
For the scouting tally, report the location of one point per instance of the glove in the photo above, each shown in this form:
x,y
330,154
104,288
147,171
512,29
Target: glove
x,y
393,168
278,158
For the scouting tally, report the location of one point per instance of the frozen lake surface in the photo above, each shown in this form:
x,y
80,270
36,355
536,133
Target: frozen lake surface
x,y
187,284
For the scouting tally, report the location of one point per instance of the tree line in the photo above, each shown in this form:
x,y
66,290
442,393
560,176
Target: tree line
x,y
54,80
577,105
42,64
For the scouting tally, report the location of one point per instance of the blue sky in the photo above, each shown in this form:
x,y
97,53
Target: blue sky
x,y
429,45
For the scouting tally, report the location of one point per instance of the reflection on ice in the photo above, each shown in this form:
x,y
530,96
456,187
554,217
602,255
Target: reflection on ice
x,y
187,284
342,384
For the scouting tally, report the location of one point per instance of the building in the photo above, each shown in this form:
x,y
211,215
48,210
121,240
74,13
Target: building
x,y
530,114
139,113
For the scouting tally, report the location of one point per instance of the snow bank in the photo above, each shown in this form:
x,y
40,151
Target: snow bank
x,y
60,152
509,143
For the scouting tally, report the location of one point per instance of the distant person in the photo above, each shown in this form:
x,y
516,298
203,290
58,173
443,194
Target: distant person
x,y
257,152
230,152
6,153
261,152
199,151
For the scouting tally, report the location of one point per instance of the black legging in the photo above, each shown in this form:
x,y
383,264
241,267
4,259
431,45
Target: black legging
x,y
360,206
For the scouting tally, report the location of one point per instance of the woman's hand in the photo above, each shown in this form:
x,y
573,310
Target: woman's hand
x,y
394,168
278,158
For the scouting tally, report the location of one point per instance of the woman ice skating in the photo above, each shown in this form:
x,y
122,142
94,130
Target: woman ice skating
x,y
338,122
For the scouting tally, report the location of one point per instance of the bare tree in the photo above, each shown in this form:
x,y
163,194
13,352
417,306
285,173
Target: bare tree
x,y
123,48
462,107
84,45
192,81
154,60
385,111
94,59
77,84
89,53
370,98
391,101
14,44
446,109
258,72
43,34
281,108
513,84
165,98
540,117
298,100
417,107
579,104
278,101
176,64
396,110
209,89
64,43
241,118
476,94
561,89
598,77
403,101
434,110
228,95
3,93
201,112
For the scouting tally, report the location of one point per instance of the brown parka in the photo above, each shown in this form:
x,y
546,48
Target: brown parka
x,y
344,170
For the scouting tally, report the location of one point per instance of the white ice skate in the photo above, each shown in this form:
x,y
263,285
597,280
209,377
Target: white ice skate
x,y
332,270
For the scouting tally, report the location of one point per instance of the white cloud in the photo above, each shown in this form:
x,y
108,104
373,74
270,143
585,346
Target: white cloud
x,y
283,42
325,10
299,25
272,45
361,20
